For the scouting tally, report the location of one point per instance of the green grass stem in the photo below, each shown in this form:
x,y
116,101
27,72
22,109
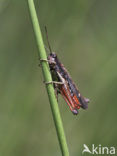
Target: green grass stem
x,y
47,78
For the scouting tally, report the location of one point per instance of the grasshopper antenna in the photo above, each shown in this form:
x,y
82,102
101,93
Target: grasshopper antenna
x,y
48,39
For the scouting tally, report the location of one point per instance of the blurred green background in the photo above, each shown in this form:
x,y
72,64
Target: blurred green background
x,y
84,35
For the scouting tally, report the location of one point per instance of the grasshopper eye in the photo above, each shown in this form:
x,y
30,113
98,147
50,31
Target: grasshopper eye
x,y
53,55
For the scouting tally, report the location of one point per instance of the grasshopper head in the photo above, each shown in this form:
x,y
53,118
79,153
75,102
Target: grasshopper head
x,y
52,59
53,55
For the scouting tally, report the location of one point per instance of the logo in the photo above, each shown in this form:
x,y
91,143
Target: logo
x,y
98,149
